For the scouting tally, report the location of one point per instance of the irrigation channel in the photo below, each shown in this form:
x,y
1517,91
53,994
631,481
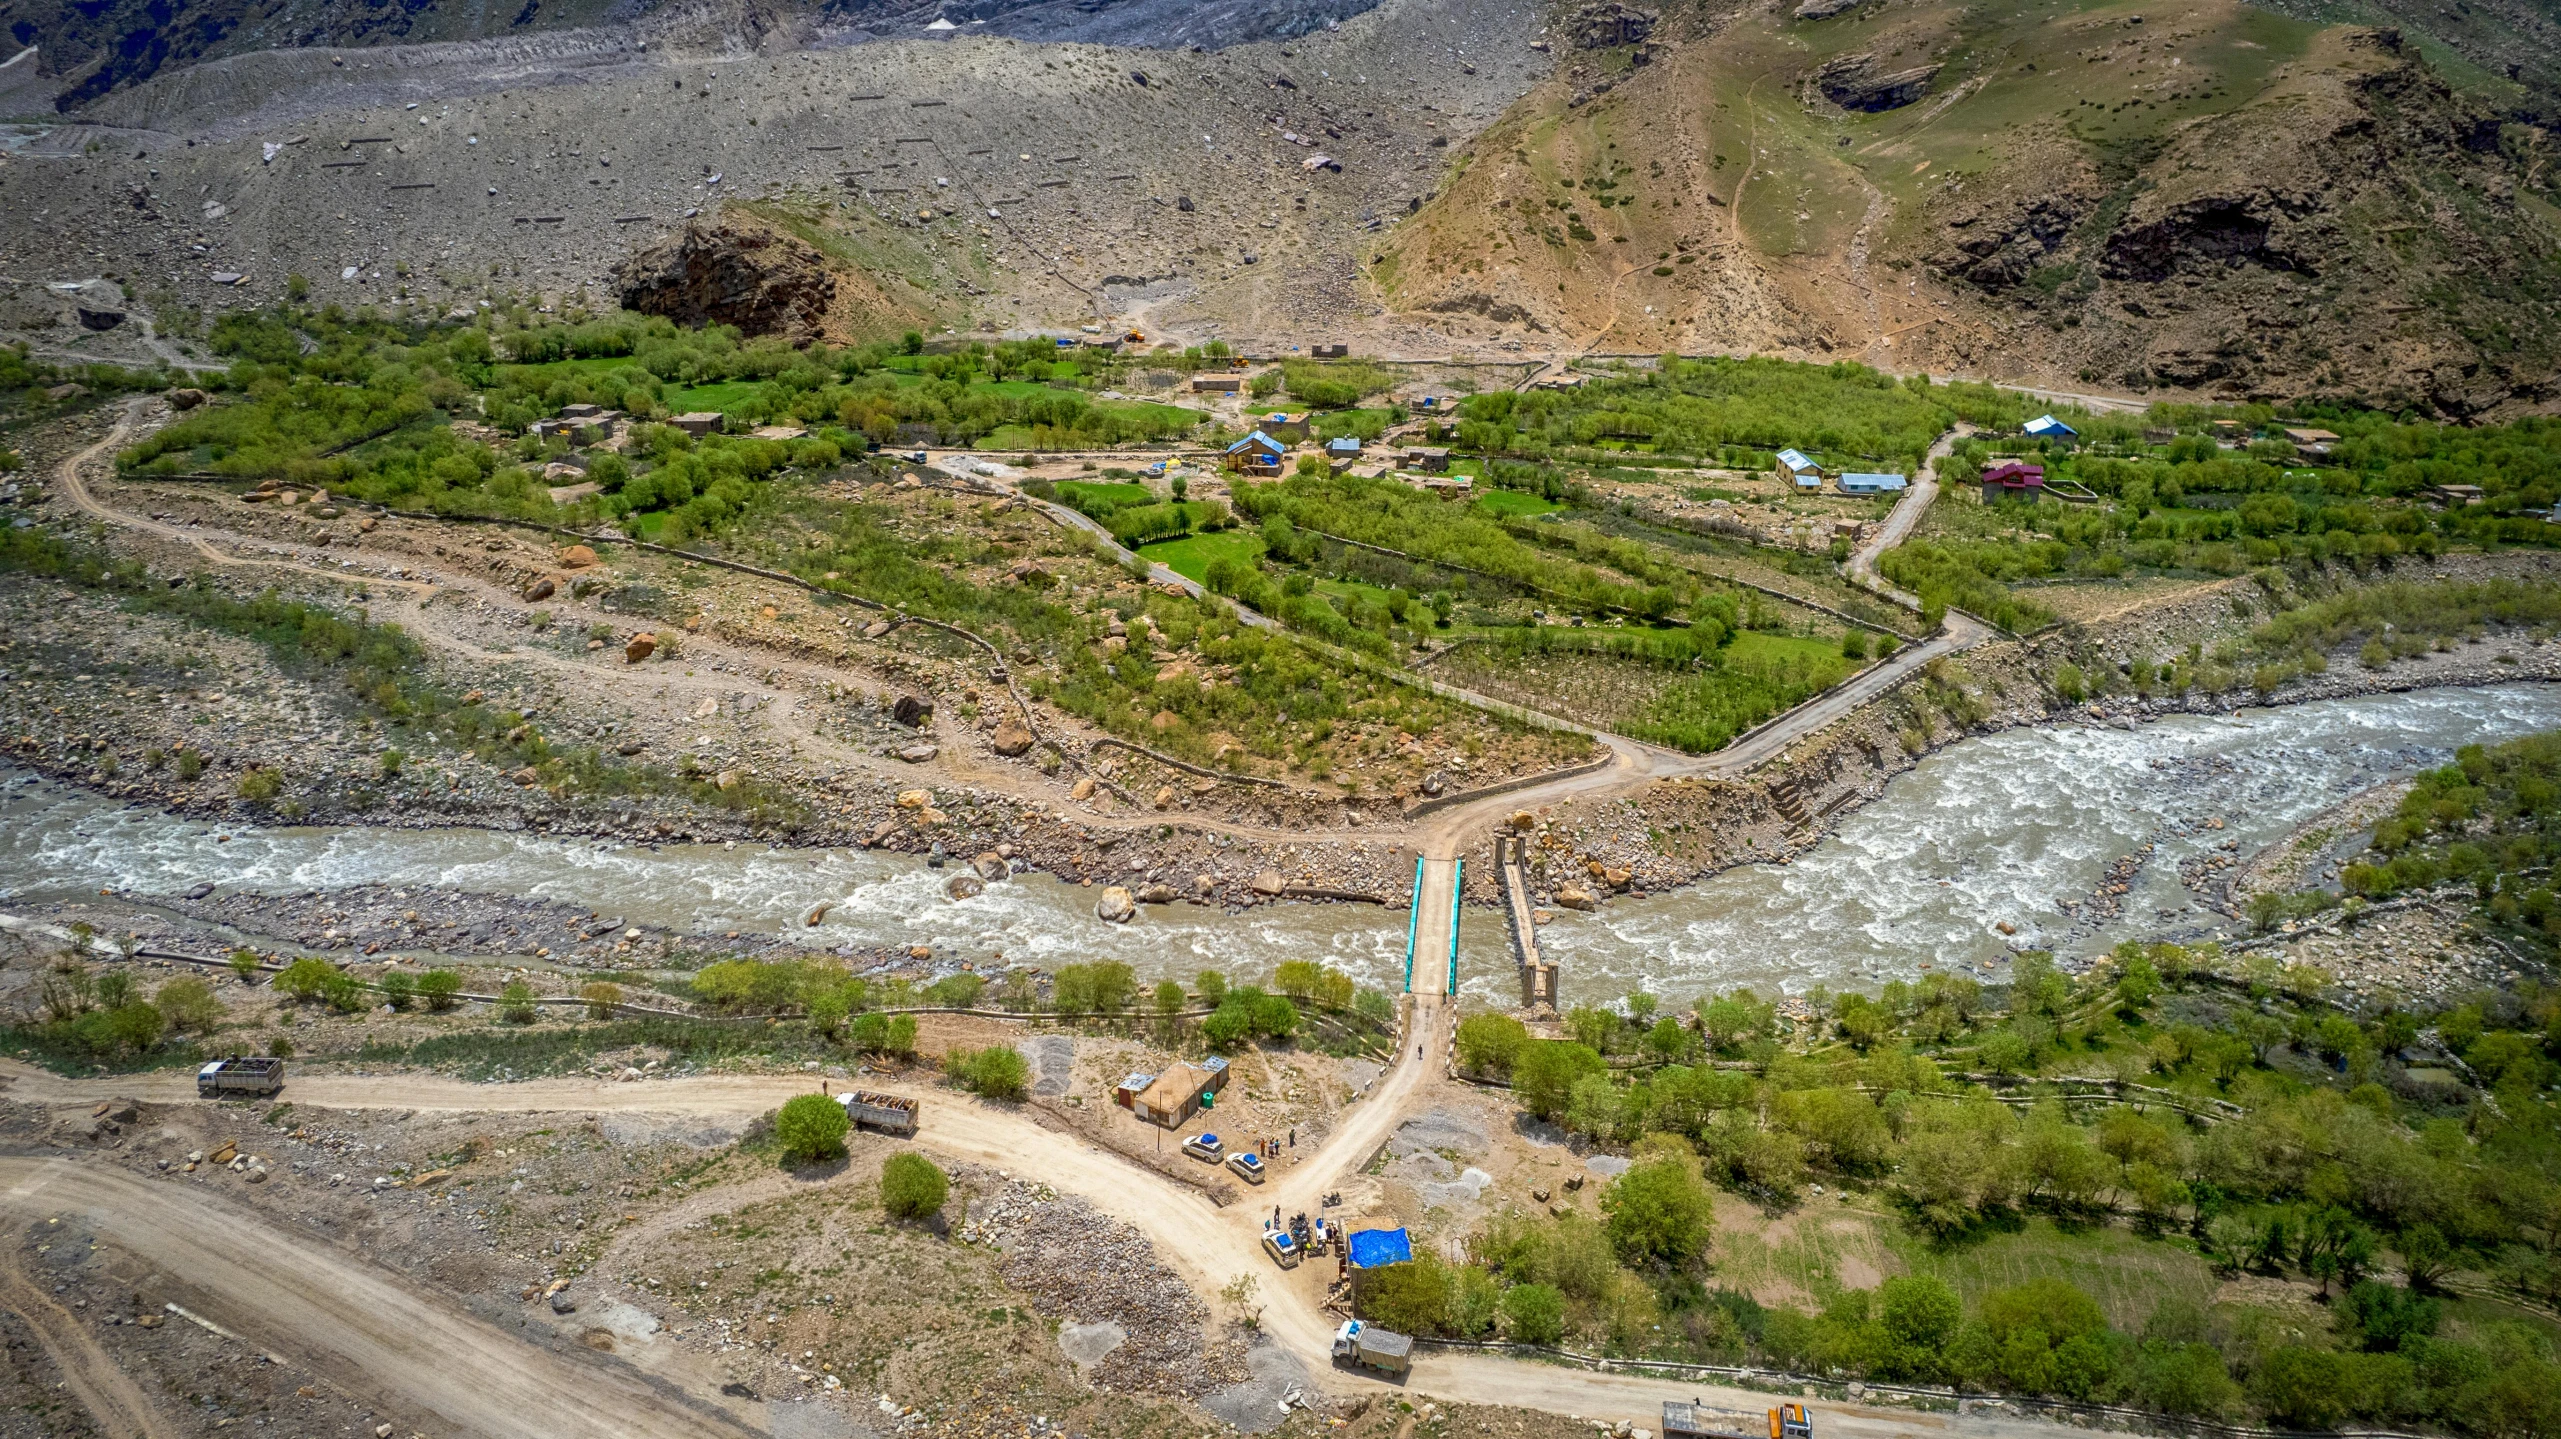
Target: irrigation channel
x,y
2021,827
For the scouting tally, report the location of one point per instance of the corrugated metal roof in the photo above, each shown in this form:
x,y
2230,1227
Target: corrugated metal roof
x,y
1266,442
1796,460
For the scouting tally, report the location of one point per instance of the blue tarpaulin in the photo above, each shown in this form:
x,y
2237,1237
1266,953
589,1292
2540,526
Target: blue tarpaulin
x,y
1372,1248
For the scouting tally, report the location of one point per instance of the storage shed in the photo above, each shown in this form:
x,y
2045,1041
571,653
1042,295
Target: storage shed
x,y
1177,1094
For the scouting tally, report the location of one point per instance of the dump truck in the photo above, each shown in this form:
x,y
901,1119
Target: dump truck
x,y
1696,1421
1364,1345
240,1074
888,1113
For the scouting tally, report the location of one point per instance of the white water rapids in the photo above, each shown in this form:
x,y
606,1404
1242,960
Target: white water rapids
x,y
1996,829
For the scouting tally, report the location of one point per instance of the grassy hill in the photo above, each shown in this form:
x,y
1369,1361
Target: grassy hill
x,y
2203,194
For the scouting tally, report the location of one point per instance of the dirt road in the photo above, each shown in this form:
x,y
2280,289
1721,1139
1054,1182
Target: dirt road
x,y
366,1327
1906,518
341,1312
108,1393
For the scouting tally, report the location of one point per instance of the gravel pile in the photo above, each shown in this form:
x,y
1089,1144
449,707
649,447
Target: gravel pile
x,y
1076,1262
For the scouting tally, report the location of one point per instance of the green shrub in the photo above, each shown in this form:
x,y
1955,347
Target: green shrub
x,y
399,989
439,988
346,993
306,979
998,1071
810,1127
516,1003
1533,1314
189,1004
911,1187
601,998
260,785
244,965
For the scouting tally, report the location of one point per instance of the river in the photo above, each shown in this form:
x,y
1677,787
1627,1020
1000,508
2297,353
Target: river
x,y
1996,829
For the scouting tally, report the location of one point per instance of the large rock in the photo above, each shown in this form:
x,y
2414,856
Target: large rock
x,y
1269,882
642,646
1116,905
719,274
965,885
1011,739
992,866
912,712
540,589
187,398
1603,24
1854,82
1156,894
1576,897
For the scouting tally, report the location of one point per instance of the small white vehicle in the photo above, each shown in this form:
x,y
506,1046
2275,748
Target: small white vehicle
x,y
1248,1165
1205,1147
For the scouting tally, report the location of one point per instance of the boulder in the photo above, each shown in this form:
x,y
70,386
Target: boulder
x,y
1523,821
965,885
1156,894
1116,905
540,589
99,319
915,798
1269,882
880,834
818,913
919,753
913,712
714,273
1083,788
1617,878
186,398
1163,720
1203,886
1855,82
561,1303
991,866
1164,796
1433,784
641,647
1011,739
1576,897
576,557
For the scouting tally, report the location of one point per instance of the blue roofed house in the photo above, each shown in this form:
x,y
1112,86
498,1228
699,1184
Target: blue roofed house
x,y
1343,447
1859,484
1257,454
1371,1250
2046,427
1799,469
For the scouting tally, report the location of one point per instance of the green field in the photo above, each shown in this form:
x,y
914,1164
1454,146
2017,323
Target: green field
x,y
2127,1275
1076,494
1190,556
725,396
1503,504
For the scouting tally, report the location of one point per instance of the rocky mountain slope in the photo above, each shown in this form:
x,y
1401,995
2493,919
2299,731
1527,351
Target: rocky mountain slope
x,y
2201,194
96,47
973,182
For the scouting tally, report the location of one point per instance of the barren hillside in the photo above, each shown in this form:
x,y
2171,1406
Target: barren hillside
x,y
983,182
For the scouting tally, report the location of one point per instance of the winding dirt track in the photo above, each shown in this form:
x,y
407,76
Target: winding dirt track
x,y
349,1316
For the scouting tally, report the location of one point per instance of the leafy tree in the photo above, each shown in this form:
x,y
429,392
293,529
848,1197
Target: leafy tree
x,y
912,1186
1920,1315
399,988
244,965
811,1127
1169,998
1411,1298
1544,1074
1488,1043
601,998
1659,1213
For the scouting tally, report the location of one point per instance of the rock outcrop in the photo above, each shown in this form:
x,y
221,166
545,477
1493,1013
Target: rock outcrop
x,y
1855,82
720,274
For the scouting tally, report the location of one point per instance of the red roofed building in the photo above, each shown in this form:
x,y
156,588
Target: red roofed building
x,y
2015,479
